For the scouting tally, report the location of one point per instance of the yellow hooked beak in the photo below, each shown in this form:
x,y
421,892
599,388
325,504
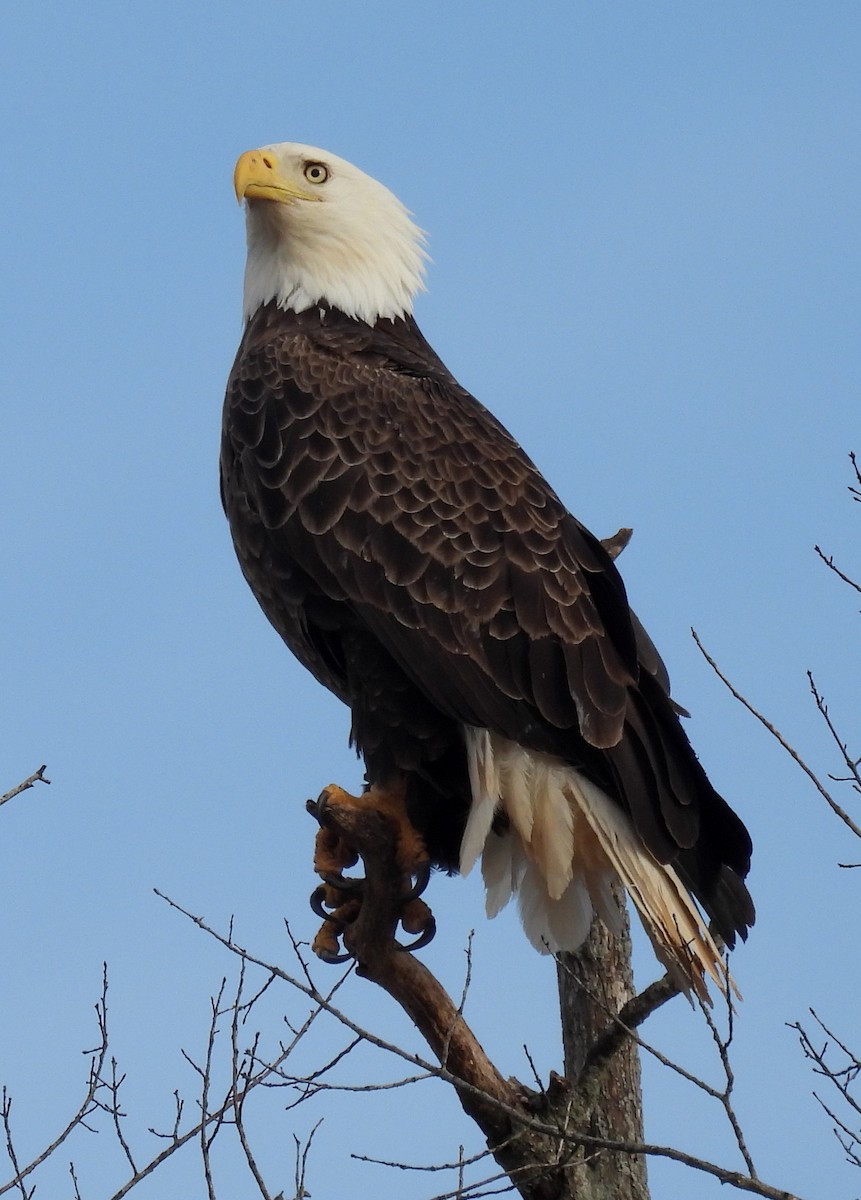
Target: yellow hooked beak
x,y
257,177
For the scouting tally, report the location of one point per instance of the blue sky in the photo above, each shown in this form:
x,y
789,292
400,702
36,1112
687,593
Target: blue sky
x,y
644,227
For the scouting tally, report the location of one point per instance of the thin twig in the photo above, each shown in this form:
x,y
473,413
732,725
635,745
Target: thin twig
x,y
117,1114
775,733
723,1046
429,1168
74,1181
206,1137
467,980
302,1161
174,1133
240,1077
852,764
832,566
18,1181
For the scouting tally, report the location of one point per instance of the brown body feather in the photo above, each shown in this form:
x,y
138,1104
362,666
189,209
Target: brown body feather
x,y
416,562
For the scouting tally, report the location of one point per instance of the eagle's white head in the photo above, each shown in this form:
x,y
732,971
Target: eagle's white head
x,y
320,231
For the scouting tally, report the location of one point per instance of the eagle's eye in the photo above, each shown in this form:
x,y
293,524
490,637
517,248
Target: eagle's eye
x,y
316,172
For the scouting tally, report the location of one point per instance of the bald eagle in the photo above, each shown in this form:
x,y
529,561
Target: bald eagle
x,y
415,560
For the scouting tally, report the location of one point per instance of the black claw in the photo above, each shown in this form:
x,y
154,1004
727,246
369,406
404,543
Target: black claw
x,y
317,902
317,807
424,938
423,875
333,960
344,883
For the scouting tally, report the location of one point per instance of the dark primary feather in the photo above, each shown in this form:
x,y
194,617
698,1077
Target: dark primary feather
x,y
415,560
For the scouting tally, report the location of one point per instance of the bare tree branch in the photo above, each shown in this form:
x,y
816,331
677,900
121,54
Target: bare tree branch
x,y
842,1076
30,781
222,1113
89,1104
517,1119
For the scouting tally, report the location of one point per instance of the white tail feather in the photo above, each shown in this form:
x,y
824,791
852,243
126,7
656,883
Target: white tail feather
x,y
502,865
559,843
484,783
552,842
552,925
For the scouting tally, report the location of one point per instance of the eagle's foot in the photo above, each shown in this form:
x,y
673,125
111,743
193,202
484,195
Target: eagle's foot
x,y
336,913
331,852
327,947
339,898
